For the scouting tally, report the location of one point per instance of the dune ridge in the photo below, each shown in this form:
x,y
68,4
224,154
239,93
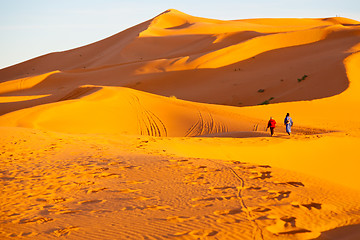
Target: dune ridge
x,y
168,63
159,132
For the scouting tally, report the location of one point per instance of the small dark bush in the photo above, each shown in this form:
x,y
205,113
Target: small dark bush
x,y
266,101
261,90
303,78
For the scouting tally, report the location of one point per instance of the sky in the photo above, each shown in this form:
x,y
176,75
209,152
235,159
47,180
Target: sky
x,y
31,28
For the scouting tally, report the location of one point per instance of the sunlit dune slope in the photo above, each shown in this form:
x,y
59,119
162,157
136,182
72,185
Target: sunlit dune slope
x,y
116,110
239,63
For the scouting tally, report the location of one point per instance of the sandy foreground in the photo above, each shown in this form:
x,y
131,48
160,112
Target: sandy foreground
x,y
159,132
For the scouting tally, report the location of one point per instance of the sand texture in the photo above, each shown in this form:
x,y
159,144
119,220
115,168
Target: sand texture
x,y
159,132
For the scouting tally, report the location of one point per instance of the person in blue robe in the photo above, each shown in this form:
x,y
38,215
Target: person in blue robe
x,y
288,123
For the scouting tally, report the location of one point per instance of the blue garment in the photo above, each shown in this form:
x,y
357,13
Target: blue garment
x,y
288,122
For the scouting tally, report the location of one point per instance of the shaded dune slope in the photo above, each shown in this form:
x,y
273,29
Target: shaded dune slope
x,y
238,63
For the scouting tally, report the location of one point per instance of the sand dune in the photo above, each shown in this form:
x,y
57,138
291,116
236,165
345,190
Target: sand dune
x,y
234,59
159,132
113,110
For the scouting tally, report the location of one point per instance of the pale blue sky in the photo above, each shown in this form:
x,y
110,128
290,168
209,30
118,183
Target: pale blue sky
x,y
30,28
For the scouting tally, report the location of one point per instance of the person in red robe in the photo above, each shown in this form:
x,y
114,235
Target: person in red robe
x,y
271,125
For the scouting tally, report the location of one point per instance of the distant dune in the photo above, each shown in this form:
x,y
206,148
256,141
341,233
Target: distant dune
x,y
159,132
198,59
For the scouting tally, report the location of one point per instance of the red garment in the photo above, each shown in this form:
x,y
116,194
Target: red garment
x,y
271,123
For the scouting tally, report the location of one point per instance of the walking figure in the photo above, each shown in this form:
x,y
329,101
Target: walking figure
x,y
271,125
288,123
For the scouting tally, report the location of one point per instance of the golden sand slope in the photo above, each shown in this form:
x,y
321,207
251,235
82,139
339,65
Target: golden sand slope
x,y
93,187
98,142
116,110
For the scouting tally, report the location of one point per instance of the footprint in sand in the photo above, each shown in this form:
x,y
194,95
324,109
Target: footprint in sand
x,y
228,212
312,205
68,211
253,188
247,167
102,169
85,183
264,166
90,202
219,198
116,163
95,190
178,160
223,188
195,176
196,179
152,207
309,206
228,220
261,175
234,162
130,208
129,167
198,234
202,167
294,184
259,209
144,198
107,175
64,231
59,200
277,195
36,220
22,234
286,225
228,197
178,219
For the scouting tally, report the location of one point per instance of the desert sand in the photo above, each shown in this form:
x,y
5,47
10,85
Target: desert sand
x,y
159,132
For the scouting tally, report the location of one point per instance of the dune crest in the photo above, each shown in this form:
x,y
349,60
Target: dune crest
x,y
233,59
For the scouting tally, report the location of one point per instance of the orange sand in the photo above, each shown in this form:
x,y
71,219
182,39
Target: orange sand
x,y
157,133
